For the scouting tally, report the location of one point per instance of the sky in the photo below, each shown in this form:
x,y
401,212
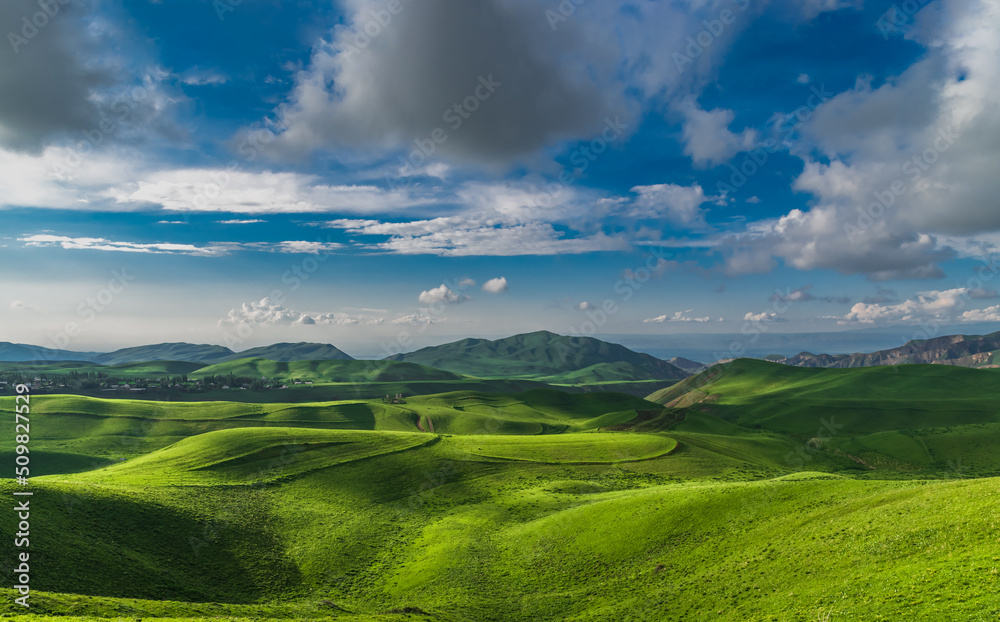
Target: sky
x,y
398,172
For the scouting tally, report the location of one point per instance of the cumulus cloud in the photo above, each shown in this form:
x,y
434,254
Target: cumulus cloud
x,y
764,317
440,295
681,205
896,167
989,314
261,312
707,137
938,305
517,84
678,316
495,286
265,312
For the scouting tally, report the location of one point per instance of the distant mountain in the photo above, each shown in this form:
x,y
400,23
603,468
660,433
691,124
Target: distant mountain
x,y
327,371
691,367
186,352
285,352
980,351
542,354
23,352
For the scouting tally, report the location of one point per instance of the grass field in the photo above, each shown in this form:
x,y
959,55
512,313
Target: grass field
x,y
725,504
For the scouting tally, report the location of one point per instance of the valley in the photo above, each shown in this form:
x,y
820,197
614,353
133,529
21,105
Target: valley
x,y
749,491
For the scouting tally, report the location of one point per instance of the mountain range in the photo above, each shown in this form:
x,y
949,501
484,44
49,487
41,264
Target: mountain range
x,y
182,352
540,355
980,351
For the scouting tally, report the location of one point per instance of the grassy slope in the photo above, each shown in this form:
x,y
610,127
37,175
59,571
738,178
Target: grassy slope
x,y
545,356
327,370
77,433
909,417
464,536
588,525
301,351
149,369
197,353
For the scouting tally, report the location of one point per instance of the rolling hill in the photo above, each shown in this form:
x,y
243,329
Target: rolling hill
x,y
286,352
544,356
932,418
185,352
146,369
327,370
23,352
350,512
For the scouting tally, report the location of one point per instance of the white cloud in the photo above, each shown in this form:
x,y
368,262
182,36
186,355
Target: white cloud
x,y
240,222
495,286
61,178
706,135
261,312
264,192
678,316
681,205
989,314
458,236
416,319
196,76
442,294
467,282
930,132
583,306
929,305
212,250
300,246
764,317
803,78
19,305
264,312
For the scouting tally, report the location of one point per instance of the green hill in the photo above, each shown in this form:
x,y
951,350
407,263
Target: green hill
x,y
309,524
753,491
294,352
146,369
907,418
545,356
186,352
327,371
24,352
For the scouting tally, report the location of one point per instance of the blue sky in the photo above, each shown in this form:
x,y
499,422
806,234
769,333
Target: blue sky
x,y
399,172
